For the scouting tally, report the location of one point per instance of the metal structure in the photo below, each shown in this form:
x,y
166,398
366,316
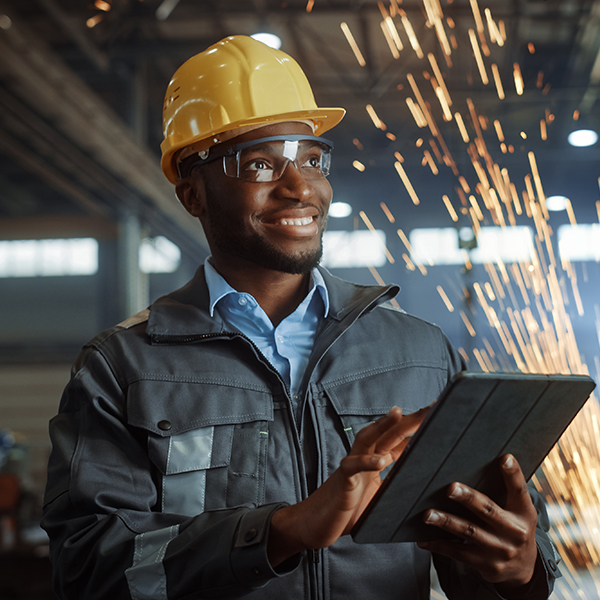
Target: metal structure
x,y
82,85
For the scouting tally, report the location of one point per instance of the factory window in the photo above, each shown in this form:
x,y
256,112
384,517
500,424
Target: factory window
x,y
347,249
579,242
159,255
447,245
45,258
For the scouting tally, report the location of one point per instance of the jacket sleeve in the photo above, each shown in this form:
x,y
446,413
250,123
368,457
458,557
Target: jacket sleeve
x,y
463,583
108,538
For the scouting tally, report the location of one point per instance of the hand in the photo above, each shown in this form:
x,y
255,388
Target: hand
x,y
333,508
501,545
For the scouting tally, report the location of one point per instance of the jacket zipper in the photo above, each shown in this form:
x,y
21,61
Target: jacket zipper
x,y
315,556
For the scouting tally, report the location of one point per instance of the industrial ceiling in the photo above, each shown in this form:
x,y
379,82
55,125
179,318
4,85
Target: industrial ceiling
x,y
82,85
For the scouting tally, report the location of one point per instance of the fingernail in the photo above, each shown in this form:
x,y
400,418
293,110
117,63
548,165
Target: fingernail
x,y
424,545
456,491
509,462
377,460
433,517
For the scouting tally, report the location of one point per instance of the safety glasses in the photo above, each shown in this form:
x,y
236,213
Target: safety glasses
x,y
265,159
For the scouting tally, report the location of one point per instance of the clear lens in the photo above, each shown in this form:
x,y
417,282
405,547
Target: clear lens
x,y
268,161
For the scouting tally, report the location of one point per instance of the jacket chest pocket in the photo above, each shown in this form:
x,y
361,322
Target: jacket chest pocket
x,y
361,400
211,455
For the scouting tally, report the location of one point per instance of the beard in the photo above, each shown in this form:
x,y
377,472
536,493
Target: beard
x,y
253,247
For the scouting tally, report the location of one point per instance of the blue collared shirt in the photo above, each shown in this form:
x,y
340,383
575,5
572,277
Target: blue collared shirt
x,y
288,346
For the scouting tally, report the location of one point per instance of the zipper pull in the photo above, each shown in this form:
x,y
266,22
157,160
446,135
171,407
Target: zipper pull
x,y
314,556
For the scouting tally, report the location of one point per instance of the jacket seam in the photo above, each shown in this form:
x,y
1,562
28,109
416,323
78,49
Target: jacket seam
x,y
204,380
377,370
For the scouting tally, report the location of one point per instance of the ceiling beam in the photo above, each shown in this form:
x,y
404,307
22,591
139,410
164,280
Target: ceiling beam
x,y
35,74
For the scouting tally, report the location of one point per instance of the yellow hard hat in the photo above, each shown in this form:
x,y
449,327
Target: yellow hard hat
x,y
237,82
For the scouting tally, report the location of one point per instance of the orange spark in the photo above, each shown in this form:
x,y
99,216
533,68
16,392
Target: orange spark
x,y
407,183
478,57
352,42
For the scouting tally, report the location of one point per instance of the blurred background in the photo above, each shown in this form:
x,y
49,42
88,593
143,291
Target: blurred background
x,y
456,174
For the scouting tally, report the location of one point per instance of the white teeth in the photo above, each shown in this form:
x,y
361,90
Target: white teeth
x,y
298,222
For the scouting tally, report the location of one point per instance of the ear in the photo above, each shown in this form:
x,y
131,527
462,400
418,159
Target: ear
x,y
191,192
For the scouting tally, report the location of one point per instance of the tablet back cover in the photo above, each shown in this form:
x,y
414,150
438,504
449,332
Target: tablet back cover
x,y
478,418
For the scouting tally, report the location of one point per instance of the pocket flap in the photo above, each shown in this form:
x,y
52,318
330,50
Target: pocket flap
x,y
169,408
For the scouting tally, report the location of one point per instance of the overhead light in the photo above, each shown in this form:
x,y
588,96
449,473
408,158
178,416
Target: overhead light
x,y
582,138
165,9
270,39
5,22
340,209
556,203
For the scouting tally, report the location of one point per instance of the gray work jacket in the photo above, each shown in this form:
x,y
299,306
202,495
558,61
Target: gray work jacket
x,y
176,441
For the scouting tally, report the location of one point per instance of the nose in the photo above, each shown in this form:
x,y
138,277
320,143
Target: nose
x,y
292,183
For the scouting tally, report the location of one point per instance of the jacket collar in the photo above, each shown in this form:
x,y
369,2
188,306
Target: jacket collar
x,y
185,312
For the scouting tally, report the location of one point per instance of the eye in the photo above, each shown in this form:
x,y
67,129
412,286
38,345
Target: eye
x,y
311,161
258,164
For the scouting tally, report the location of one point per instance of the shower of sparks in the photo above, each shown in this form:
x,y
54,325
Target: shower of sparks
x,y
428,160
493,30
389,30
415,111
440,78
529,305
352,42
389,40
410,32
435,18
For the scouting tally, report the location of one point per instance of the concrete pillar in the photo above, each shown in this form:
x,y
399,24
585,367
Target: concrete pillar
x,y
133,284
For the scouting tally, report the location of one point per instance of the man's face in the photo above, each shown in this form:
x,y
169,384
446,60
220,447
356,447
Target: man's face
x,y
275,225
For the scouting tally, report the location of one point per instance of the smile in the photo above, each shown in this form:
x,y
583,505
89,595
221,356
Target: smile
x,y
296,222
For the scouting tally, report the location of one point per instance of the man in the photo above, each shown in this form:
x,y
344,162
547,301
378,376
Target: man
x,y
223,443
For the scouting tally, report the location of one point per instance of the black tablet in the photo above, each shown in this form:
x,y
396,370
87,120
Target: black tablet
x,y
478,418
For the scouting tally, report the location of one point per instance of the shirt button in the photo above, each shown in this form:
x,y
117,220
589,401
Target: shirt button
x,y
295,396
164,425
553,565
280,338
250,534
242,301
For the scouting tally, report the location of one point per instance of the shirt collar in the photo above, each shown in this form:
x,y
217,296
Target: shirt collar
x,y
218,288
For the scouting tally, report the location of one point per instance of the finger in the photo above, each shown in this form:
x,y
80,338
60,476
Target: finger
x,y
518,498
359,463
461,528
369,435
398,432
479,504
